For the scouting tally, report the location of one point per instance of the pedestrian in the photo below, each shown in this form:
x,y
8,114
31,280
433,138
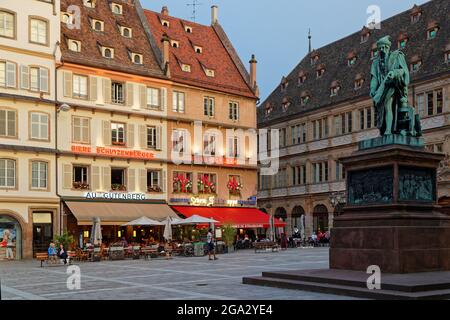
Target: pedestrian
x,y
62,253
210,241
52,254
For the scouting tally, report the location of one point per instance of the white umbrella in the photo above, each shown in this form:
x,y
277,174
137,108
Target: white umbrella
x,y
302,226
168,229
144,221
96,232
195,219
173,220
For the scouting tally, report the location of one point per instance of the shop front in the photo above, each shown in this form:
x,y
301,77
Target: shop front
x,y
11,238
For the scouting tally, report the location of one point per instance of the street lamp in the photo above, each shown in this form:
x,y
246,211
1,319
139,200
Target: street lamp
x,y
337,200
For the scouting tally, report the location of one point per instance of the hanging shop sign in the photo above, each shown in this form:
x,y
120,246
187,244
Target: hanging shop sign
x,y
120,153
115,196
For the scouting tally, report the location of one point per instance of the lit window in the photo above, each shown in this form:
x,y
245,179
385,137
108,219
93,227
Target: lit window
x,y
38,31
7,24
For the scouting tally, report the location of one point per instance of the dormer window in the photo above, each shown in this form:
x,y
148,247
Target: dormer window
x,y
285,104
66,18
374,51
402,43
447,53
268,108
416,13
185,67
116,8
320,70
174,43
314,57
89,3
432,30
108,52
284,84
305,97
198,49
125,32
335,87
165,23
365,34
188,29
210,73
301,78
98,25
351,59
359,81
74,45
137,58
416,63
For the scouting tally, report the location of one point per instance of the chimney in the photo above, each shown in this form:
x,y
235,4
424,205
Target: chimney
x,y
253,63
166,52
165,11
214,14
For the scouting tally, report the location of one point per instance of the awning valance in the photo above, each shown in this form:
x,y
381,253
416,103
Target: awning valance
x,y
246,218
117,213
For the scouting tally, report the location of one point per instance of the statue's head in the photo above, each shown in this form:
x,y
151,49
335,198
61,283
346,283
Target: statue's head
x,y
384,46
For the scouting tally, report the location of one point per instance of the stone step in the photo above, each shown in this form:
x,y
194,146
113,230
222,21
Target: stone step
x,y
345,290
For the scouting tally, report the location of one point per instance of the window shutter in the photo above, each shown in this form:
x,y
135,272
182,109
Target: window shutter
x,y
106,172
95,181
143,180
130,135
76,129
143,96
67,176
68,84
24,77
93,88
131,187
158,137
107,90
129,94
164,180
143,136
43,80
11,81
163,99
106,133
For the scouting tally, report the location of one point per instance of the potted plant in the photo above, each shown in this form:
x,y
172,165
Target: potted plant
x,y
228,236
65,239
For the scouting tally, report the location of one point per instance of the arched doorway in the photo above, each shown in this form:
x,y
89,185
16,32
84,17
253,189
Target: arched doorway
x,y
10,238
320,218
297,213
281,213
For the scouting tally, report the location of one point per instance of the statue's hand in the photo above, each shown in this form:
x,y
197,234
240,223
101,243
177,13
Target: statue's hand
x,y
390,75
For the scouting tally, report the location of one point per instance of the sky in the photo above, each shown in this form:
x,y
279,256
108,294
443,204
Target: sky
x,y
276,31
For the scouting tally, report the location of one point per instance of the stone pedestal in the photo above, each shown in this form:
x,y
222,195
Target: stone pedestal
x,y
391,219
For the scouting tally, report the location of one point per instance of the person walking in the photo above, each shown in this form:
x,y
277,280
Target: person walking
x,y
210,241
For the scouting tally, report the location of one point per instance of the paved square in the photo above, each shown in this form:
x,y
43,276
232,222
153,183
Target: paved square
x,y
180,278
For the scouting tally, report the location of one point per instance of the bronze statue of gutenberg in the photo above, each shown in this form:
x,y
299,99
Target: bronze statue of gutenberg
x,y
389,91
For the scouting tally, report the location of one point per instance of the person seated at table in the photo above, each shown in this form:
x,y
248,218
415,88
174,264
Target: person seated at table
x,y
124,242
62,253
161,247
52,254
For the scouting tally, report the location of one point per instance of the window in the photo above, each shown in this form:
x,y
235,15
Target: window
x,y
153,98
283,137
108,53
305,99
8,71
89,3
373,53
208,106
185,67
8,123
320,72
280,178
209,144
66,18
38,31
39,175
39,124
340,173
118,179
198,49
74,45
137,58
420,102
285,104
447,57
299,175
118,133
39,79
7,24
365,37
7,173
179,140
432,33
439,101
415,66
97,25
116,8
366,118
178,102
298,133
125,32
151,137
352,61
117,93
358,84
154,181
315,58
233,110
301,79
165,23
81,130
175,43
182,182
80,87
430,103
320,129
188,29
206,183
343,123
234,147
334,90
210,73
402,43
80,177
320,172
416,17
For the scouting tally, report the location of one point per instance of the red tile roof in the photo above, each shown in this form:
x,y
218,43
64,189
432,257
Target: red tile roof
x,y
90,54
217,55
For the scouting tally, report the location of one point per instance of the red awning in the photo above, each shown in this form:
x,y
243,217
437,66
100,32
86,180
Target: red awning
x,y
238,217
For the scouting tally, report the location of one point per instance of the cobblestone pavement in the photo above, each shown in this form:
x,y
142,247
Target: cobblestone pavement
x,y
180,278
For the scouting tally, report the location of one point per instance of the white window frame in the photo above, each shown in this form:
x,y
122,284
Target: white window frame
x,y
179,102
209,106
233,109
4,29
117,126
152,95
42,175
42,124
79,91
151,137
36,31
4,174
8,114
